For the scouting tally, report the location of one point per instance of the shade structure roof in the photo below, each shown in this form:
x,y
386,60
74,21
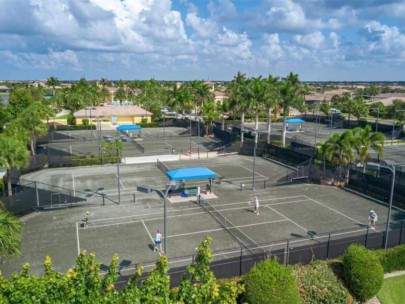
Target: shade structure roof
x,y
190,173
295,121
128,128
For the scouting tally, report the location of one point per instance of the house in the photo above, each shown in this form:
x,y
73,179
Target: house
x,y
114,115
388,98
219,97
4,89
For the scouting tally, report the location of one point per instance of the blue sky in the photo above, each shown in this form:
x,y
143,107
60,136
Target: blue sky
x,y
320,40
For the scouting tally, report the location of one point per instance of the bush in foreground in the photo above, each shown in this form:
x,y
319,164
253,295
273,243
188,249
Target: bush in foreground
x,y
269,282
318,283
362,271
392,259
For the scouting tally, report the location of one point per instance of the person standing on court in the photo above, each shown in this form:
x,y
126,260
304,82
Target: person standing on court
x,y
158,241
372,218
85,219
256,205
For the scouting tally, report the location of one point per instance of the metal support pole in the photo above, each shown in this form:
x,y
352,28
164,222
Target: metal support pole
x,y
164,127
241,261
400,234
378,116
393,128
254,162
198,138
36,194
328,248
118,172
189,150
387,228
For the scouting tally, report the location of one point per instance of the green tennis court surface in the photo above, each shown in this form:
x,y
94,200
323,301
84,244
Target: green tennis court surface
x,y
297,212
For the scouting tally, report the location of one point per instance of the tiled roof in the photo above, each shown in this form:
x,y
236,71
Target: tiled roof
x,y
113,111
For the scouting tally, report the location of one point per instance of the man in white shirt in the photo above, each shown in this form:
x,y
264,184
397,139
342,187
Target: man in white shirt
x,y
158,241
256,205
372,219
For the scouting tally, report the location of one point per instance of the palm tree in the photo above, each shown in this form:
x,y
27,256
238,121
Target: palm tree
x,y
272,97
52,82
338,150
237,99
291,95
255,96
222,109
10,233
365,140
13,154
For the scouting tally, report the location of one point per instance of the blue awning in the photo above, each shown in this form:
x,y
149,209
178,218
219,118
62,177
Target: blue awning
x,y
190,173
295,121
128,128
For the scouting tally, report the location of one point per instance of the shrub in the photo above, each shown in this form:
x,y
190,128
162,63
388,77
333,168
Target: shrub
x,y
71,120
392,259
362,271
269,282
319,284
85,121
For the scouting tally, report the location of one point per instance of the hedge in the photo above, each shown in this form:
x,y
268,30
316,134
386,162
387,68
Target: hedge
x,y
318,283
269,282
362,271
392,259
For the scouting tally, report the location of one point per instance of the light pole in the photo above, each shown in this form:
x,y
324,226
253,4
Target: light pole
x,y
378,116
198,138
189,149
98,129
254,160
393,125
331,124
391,167
316,125
91,127
149,189
118,171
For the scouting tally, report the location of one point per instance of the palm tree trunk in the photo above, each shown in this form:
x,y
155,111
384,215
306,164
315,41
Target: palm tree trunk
x,y
268,125
242,126
9,188
284,127
257,120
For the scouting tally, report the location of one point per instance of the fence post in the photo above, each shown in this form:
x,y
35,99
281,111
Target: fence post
x,y
400,234
134,198
365,241
36,194
241,261
328,248
287,255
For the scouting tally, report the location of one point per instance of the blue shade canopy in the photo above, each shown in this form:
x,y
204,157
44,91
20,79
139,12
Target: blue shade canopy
x,y
190,173
295,121
128,128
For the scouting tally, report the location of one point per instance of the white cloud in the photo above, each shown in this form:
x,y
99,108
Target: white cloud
x,y
286,15
312,41
271,49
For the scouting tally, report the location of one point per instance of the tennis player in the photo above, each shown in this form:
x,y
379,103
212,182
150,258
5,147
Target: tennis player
x,y
372,218
158,241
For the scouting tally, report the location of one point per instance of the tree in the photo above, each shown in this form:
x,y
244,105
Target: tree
x,y
13,154
10,233
360,109
292,95
255,96
53,82
272,97
209,112
338,150
365,140
198,284
237,99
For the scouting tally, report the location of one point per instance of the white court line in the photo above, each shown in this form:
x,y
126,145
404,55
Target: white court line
x,y
334,210
122,185
298,225
221,229
73,184
166,143
252,171
78,241
197,208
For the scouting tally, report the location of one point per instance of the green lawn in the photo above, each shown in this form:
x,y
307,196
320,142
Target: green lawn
x,y
393,291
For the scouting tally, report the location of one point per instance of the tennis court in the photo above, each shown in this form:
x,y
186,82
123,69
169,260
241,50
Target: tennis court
x,y
300,213
169,140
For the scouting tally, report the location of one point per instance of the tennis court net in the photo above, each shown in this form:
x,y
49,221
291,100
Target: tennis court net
x,y
161,166
139,146
234,232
